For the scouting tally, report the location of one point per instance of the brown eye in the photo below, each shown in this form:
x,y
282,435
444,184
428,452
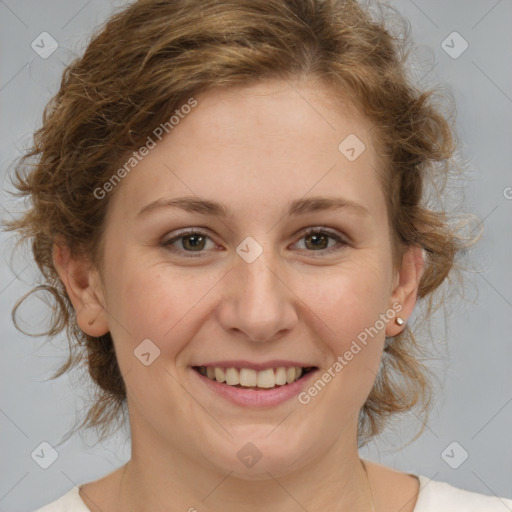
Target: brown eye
x,y
193,242
188,242
317,240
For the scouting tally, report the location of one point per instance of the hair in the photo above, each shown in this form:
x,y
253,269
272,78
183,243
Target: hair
x,y
154,55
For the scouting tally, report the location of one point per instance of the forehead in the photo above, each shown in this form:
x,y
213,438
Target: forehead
x,y
263,143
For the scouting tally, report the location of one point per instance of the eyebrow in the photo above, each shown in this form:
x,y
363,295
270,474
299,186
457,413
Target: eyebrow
x,y
215,209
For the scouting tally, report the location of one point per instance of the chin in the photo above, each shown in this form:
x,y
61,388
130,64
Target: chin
x,y
255,459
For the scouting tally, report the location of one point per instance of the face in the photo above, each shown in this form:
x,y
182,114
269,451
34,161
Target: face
x,y
268,278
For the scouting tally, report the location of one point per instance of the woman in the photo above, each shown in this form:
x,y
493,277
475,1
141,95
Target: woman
x,y
228,210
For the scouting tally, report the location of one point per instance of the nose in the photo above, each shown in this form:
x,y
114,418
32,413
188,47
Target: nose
x,y
257,301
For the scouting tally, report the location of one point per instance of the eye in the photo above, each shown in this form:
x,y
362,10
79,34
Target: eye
x,y
188,241
195,241
317,240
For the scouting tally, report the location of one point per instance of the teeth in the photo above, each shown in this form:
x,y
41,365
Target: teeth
x,y
249,378
219,375
281,376
266,378
232,376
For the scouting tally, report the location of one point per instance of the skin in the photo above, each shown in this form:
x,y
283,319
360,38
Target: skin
x,y
255,149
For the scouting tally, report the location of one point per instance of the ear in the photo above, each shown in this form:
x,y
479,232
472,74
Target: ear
x,y
83,287
406,285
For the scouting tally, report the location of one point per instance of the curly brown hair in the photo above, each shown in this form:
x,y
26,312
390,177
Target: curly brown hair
x,y
152,56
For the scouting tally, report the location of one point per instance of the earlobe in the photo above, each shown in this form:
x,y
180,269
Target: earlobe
x,y
82,286
406,291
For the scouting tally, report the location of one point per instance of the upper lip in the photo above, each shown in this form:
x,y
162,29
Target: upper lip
x,y
275,363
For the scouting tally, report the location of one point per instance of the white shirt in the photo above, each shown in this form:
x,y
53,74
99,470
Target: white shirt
x,y
433,496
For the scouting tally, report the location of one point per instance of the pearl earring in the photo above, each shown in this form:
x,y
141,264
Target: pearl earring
x,y
400,321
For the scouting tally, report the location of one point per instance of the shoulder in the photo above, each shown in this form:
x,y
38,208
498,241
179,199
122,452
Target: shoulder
x,y
437,496
69,502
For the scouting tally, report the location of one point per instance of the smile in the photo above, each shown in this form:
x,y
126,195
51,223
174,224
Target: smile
x,y
249,378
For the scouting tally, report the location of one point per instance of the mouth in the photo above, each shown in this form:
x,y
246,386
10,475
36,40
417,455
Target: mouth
x,y
249,378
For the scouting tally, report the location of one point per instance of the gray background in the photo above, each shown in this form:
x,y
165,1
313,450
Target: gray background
x,y
474,406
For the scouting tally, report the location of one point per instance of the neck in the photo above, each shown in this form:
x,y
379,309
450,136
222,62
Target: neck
x,y
156,479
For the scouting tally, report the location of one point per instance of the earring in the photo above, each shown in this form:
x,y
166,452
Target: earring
x,y
400,321
91,321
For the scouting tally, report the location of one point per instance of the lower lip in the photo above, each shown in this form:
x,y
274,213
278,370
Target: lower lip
x,y
256,398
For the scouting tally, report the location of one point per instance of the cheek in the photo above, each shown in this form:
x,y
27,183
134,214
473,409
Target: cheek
x,y
157,302
347,300
349,305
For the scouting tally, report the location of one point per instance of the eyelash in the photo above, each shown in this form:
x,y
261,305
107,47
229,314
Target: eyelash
x,y
192,254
